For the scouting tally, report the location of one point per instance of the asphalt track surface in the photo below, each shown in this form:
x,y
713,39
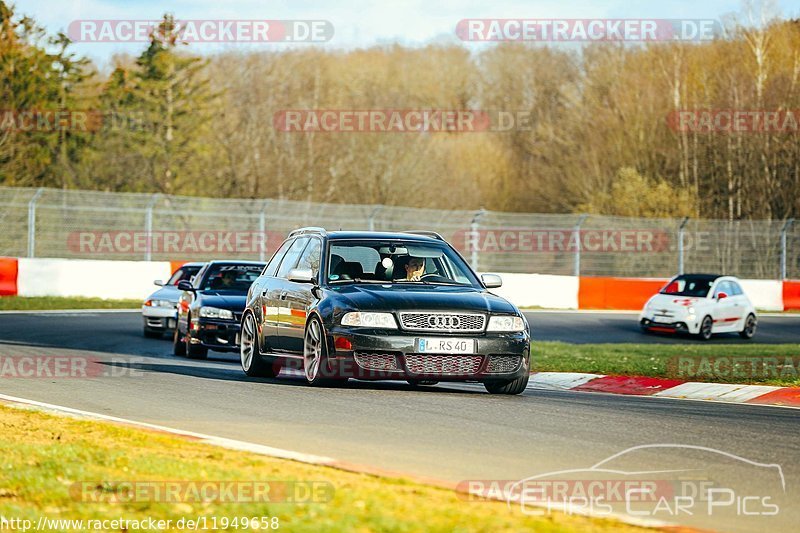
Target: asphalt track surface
x,y
597,327
447,432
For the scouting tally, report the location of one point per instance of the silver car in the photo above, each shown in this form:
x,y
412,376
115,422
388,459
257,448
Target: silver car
x,y
159,311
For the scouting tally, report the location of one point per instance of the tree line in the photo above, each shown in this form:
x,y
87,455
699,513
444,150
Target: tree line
x,y
596,130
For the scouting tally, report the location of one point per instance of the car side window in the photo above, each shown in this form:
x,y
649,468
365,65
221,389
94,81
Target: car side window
x,y
291,257
723,287
310,257
272,266
736,288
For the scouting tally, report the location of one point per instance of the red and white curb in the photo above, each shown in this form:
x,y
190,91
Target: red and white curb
x,y
667,388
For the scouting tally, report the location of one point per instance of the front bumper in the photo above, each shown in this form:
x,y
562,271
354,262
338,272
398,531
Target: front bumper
x,y
159,318
217,335
392,354
685,324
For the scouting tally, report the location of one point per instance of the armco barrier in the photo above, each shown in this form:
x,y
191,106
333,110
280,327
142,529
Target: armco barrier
x,y
9,269
791,295
616,293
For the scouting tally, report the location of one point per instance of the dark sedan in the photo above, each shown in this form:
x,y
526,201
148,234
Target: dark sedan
x,y
371,305
210,307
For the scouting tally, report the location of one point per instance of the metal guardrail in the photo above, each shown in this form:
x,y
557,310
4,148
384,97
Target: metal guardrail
x,y
59,223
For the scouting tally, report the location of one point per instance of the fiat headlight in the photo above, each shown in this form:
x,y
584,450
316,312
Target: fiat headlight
x,y
506,323
370,320
214,312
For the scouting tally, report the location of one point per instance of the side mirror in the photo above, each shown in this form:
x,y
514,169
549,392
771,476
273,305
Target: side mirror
x,y
301,275
158,283
185,285
491,281
721,296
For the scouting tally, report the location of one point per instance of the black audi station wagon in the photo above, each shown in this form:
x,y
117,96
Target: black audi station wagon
x,y
388,306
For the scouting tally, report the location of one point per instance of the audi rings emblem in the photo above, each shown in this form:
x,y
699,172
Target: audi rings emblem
x,y
444,321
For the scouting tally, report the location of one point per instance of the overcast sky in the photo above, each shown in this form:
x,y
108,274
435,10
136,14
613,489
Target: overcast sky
x,y
359,23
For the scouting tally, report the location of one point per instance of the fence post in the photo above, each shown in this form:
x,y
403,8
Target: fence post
x,y
474,228
576,232
148,227
32,222
784,230
680,243
262,228
371,219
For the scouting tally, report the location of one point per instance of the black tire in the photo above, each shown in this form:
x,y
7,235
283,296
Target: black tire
x,y
152,333
178,346
315,355
750,325
422,382
515,386
255,366
193,351
705,329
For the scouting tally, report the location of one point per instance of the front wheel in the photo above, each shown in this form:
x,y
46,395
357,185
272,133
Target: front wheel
x,y
193,351
315,354
749,329
515,386
178,346
253,363
705,328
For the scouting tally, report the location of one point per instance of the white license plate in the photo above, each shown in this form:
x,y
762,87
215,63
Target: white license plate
x,y
434,345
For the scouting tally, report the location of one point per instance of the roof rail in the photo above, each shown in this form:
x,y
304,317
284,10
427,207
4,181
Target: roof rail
x,y
424,233
308,230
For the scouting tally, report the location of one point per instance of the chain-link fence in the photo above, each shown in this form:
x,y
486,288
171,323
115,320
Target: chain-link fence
x,y
126,226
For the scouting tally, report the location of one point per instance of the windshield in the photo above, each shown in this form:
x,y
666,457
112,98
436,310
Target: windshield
x,y
183,273
397,262
230,278
689,286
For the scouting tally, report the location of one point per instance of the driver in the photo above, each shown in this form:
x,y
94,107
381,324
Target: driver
x,y
415,269
226,281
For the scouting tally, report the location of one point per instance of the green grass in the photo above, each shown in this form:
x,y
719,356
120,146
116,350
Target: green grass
x,y
44,456
42,303
694,361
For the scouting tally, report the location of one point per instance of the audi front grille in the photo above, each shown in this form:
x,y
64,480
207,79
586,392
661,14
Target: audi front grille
x,y
445,365
443,322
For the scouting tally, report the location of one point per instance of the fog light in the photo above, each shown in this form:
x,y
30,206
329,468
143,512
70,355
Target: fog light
x,y
342,343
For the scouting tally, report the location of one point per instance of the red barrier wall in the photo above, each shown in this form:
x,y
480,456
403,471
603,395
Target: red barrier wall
x,y
8,276
175,265
791,295
616,293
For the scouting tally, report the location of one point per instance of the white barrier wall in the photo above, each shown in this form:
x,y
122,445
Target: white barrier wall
x,y
540,290
89,278
765,294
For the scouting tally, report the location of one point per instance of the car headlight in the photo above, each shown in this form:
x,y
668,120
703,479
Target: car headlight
x,y
214,312
690,310
370,320
506,323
